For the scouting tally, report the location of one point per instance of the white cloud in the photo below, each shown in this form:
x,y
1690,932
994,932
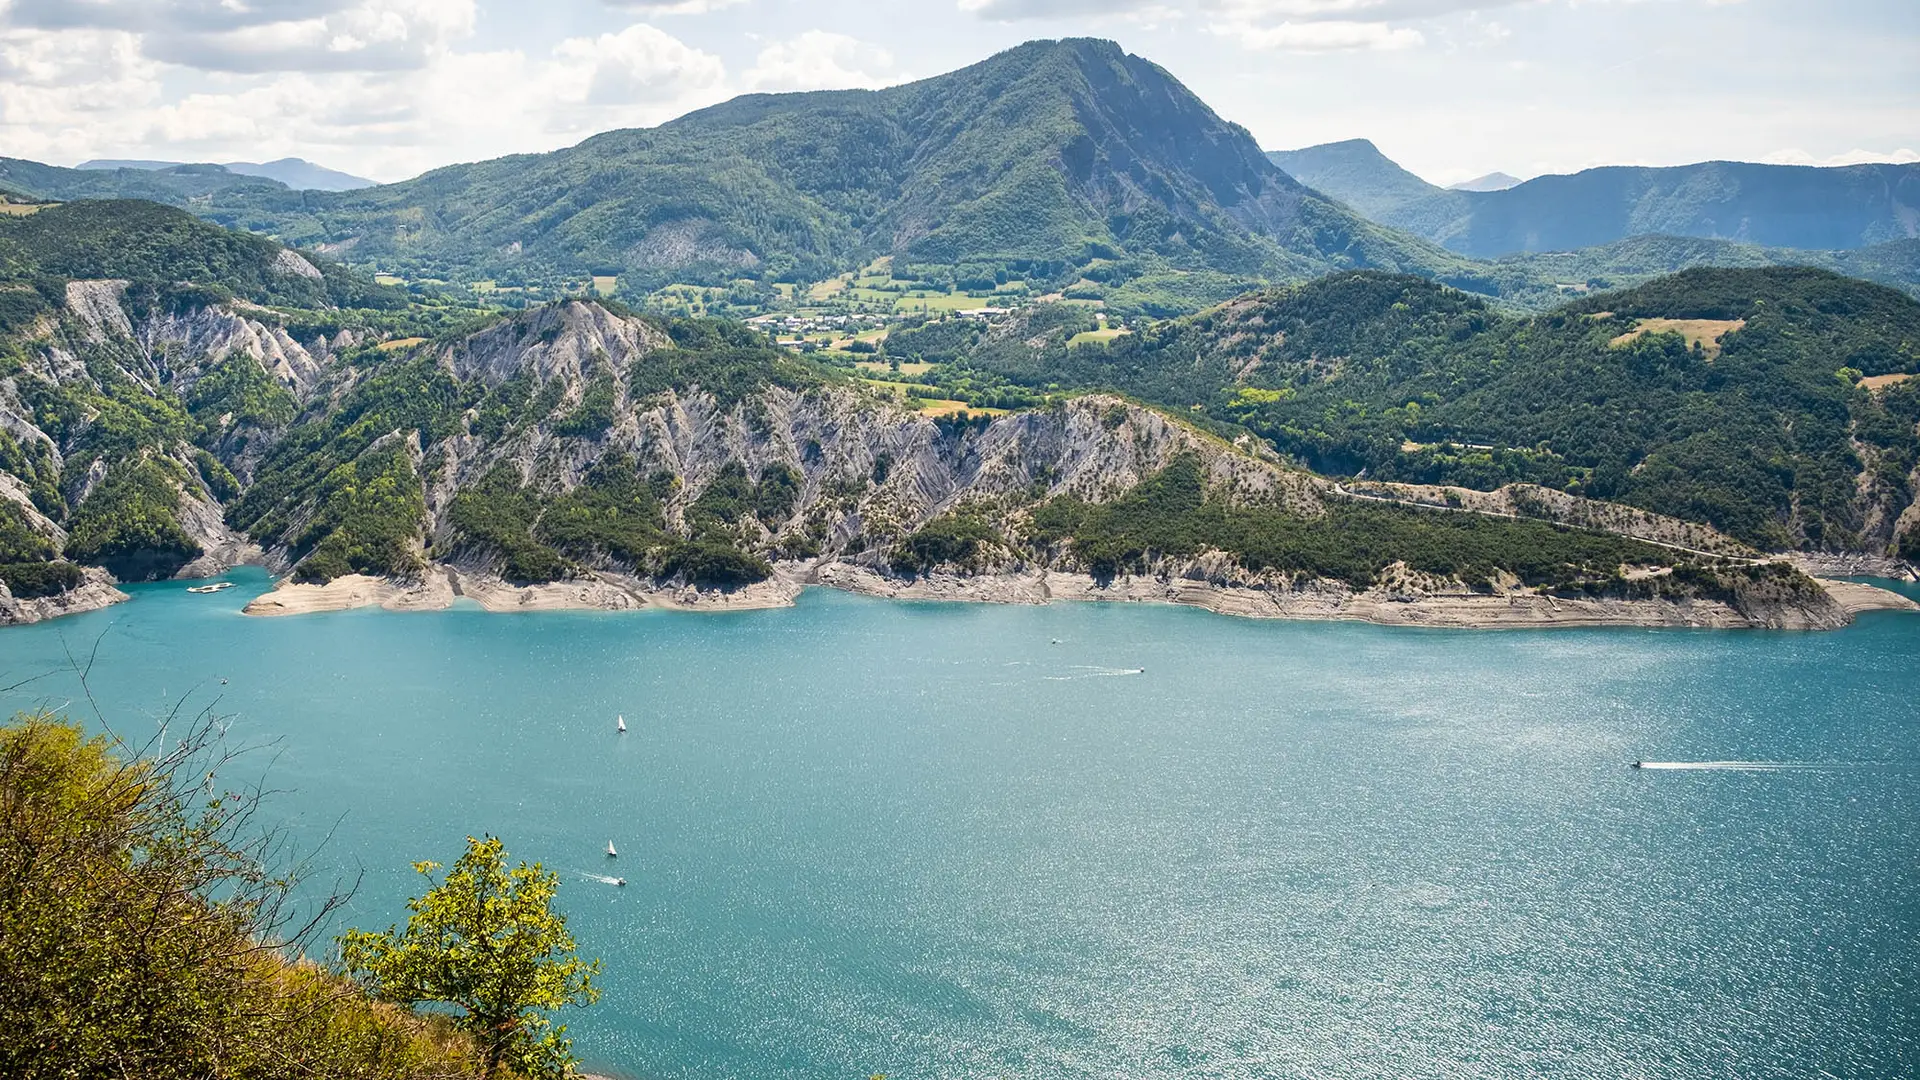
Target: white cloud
x,y
266,35
1267,11
81,92
638,65
1331,36
1902,156
673,7
818,60
1261,25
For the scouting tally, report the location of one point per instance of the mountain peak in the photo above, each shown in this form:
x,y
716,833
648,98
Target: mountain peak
x,y
297,173
1355,172
1493,181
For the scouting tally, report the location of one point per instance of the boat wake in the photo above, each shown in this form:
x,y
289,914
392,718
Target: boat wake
x,y
1095,673
602,879
1757,766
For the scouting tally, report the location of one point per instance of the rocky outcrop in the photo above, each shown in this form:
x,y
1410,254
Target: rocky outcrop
x,y
221,548
97,309
96,592
1547,504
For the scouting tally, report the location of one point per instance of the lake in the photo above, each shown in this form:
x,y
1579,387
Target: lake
x,y
946,841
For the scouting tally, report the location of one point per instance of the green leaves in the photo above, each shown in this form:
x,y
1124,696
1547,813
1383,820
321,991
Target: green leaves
x,y
487,941
146,928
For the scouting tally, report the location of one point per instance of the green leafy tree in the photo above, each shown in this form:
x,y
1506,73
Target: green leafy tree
x,y
487,941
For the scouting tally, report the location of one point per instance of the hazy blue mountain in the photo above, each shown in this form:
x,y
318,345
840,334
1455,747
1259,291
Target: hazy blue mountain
x,y
301,175
1356,173
1773,206
1493,181
297,173
1782,206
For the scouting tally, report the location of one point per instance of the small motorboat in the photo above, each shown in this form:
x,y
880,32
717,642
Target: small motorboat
x,y
620,724
1636,764
621,882
611,854
213,588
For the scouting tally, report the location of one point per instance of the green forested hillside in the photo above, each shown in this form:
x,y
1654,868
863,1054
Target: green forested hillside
x,y
1733,397
163,248
1546,279
1034,163
176,185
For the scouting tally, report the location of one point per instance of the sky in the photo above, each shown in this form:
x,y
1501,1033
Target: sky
x,y
1451,89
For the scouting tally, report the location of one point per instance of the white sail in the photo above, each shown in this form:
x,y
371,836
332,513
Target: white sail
x,y
610,852
622,722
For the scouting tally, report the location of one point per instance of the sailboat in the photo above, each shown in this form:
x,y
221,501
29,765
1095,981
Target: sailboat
x,y
621,723
611,854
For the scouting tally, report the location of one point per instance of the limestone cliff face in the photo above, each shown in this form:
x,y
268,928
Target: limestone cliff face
x,y
869,468
102,372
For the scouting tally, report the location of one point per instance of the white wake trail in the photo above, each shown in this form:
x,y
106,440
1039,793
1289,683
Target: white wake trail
x,y
1096,673
1757,766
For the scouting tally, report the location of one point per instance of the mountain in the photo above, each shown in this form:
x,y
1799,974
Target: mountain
x,y
1493,181
161,250
1772,206
1776,405
1050,159
1781,206
175,185
1356,173
637,460
297,173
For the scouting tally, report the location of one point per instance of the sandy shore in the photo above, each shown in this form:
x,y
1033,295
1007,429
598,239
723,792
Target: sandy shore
x,y
1324,601
441,586
1857,597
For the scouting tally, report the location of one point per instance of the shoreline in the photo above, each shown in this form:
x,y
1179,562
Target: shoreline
x,y
441,586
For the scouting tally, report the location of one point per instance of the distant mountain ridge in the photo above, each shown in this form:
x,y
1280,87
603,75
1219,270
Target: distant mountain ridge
x,y
1356,173
1493,181
1047,157
1777,206
297,173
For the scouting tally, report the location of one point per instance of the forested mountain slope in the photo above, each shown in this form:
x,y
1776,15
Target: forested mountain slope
x,y
1774,404
577,441
1036,161
174,185
159,250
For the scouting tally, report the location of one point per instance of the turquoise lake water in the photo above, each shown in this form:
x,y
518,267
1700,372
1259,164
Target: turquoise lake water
x,y
928,841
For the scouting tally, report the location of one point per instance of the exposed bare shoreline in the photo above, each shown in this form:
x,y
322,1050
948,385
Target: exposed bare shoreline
x,y
441,586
